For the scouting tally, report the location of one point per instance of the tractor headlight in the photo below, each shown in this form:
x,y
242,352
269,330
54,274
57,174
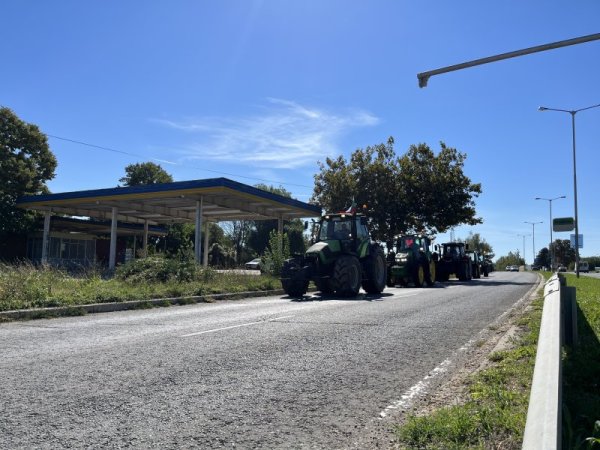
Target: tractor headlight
x,y
401,257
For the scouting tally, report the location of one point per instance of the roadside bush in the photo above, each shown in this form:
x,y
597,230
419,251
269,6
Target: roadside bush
x,y
157,269
276,254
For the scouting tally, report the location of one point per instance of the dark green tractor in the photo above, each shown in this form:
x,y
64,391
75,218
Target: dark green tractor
x,y
454,260
413,261
341,260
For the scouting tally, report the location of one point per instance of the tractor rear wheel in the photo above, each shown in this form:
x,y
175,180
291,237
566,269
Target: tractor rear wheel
x,y
347,276
375,269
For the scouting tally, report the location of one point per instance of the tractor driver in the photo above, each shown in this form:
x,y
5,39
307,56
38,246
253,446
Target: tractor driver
x,y
343,232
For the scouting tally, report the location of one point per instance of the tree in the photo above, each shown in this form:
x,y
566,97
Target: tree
x,y
259,236
543,258
476,242
419,191
26,164
563,252
512,259
145,173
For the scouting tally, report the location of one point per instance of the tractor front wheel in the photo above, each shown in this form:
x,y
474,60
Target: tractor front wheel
x,y
430,274
347,276
419,276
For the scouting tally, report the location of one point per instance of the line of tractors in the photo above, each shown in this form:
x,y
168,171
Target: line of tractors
x,y
343,258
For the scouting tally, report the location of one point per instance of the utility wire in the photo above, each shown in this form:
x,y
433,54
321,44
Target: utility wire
x,y
170,162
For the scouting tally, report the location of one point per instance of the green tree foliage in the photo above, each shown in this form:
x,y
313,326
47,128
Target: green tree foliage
x,y
145,173
418,191
476,242
512,259
277,252
26,164
563,253
543,258
258,238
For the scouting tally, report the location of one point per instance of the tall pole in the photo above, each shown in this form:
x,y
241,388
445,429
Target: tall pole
x,y
533,224
573,112
550,249
575,197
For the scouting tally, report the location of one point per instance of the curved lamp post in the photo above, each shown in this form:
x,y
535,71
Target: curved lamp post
x,y
550,200
573,112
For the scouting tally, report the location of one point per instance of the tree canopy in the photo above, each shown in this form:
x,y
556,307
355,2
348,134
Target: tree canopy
x,y
145,173
476,242
418,191
26,164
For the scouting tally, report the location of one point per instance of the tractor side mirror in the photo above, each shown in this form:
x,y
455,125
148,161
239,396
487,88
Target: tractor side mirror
x,y
306,224
467,246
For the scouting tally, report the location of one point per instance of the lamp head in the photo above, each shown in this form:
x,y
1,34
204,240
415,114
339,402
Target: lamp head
x,y
542,108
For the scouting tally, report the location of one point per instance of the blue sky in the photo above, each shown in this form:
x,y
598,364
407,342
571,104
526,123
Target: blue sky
x,y
259,91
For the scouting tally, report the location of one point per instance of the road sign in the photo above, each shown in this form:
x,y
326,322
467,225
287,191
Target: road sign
x,y
563,224
580,241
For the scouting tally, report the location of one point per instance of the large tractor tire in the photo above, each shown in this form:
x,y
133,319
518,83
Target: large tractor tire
x,y
292,282
376,272
295,288
430,274
324,286
347,275
418,277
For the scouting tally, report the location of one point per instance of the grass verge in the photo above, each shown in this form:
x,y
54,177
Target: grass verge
x,y
27,287
495,410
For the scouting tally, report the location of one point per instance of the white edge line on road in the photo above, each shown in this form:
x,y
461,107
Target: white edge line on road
x,y
416,390
214,330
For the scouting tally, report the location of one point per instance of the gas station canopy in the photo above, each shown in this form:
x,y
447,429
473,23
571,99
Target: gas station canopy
x,y
198,201
222,200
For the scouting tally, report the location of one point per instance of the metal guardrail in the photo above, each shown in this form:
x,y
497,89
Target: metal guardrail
x,y
559,325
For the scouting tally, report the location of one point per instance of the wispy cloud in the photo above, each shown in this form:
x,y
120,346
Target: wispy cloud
x,y
284,134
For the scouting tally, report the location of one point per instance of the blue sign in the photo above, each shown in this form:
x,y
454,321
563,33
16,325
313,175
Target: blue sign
x,y
580,241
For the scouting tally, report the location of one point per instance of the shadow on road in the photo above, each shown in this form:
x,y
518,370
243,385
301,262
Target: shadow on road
x,y
319,297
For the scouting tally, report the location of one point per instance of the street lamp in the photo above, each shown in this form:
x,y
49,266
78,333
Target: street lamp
x,y
533,224
573,112
524,236
550,200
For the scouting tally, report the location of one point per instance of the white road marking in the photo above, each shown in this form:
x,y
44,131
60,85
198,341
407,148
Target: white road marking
x,y
416,390
214,330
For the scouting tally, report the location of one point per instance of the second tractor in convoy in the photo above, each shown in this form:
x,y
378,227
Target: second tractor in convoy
x,y
412,262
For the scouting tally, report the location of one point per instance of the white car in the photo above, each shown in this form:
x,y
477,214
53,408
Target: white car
x,y
253,265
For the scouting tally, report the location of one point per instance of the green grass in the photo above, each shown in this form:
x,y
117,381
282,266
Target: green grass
x,y
494,414
27,287
581,370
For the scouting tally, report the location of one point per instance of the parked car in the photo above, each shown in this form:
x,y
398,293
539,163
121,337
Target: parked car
x,y
562,268
514,269
253,265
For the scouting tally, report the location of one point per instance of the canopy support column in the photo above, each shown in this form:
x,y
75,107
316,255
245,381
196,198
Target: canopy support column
x,y
145,239
45,237
112,258
198,235
206,231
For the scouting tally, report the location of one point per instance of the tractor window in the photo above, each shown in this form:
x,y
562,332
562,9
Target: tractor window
x,y
406,243
361,229
335,228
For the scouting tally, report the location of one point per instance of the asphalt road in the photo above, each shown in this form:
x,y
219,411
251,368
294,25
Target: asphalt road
x,y
257,373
